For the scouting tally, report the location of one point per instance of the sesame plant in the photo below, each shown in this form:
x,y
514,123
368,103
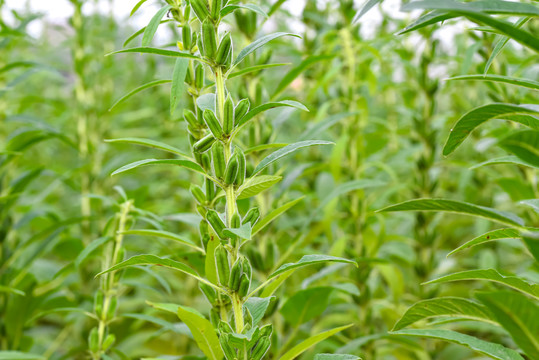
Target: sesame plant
x,y
238,297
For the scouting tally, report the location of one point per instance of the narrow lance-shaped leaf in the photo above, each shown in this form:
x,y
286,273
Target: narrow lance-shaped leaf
x,y
157,51
252,7
444,306
524,145
495,351
518,315
151,28
257,44
137,6
530,84
472,119
151,260
457,207
266,220
368,5
494,235
254,68
182,163
256,185
140,31
308,260
164,235
484,6
137,90
510,159
285,151
150,143
491,275
178,82
203,332
311,341
503,40
18,355
271,105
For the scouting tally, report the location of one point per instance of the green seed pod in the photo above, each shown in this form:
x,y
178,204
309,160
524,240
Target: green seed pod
x,y
209,292
186,36
251,216
256,258
197,193
223,267
235,276
236,220
201,210
199,76
266,330
246,266
216,223
229,351
224,328
241,109
200,9
245,283
93,340
189,76
112,307
213,124
190,118
224,50
109,340
206,161
208,39
200,46
260,348
218,155
210,190
231,170
214,317
203,144
228,116
98,303
240,178
216,9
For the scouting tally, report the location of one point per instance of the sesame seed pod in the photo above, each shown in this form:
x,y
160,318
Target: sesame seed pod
x,y
241,109
240,178
213,124
260,348
229,351
216,223
209,292
200,9
231,170
197,193
203,144
190,118
224,50
235,276
245,283
199,76
228,116
216,6
218,155
109,340
251,216
223,267
186,36
208,39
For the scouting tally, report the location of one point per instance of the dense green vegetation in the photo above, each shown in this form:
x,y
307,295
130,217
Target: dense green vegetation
x,y
221,185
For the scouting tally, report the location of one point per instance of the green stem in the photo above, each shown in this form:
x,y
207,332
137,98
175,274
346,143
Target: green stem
x,y
237,307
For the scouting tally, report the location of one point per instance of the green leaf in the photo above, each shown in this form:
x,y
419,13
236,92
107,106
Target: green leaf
x,y
203,332
257,307
368,5
510,159
430,18
472,119
336,357
271,105
444,306
348,187
207,101
231,8
502,41
507,233
263,147
308,260
518,315
485,6
274,156
495,351
210,267
254,68
178,82
89,249
137,6
150,143
10,290
164,235
151,28
257,184
156,51
311,341
490,275
137,90
458,207
168,307
531,84
182,163
306,304
296,71
17,355
265,221
140,31
524,145
531,239
152,260
534,204
257,44
244,231
321,126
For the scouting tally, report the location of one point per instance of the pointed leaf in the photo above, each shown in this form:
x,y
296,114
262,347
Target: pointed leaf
x,y
531,84
257,44
257,307
156,51
256,185
523,144
495,351
254,68
456,207
271,105
311,341
502,41
17,355
490,275
494,235
262,223
510,159
137,90
89,249
178,82
306,304
244,231
444,306
231,8
368,5
203,332
137,6
347,187
182,163
163,234
287,150
153,24
150,143
152,260
309,260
